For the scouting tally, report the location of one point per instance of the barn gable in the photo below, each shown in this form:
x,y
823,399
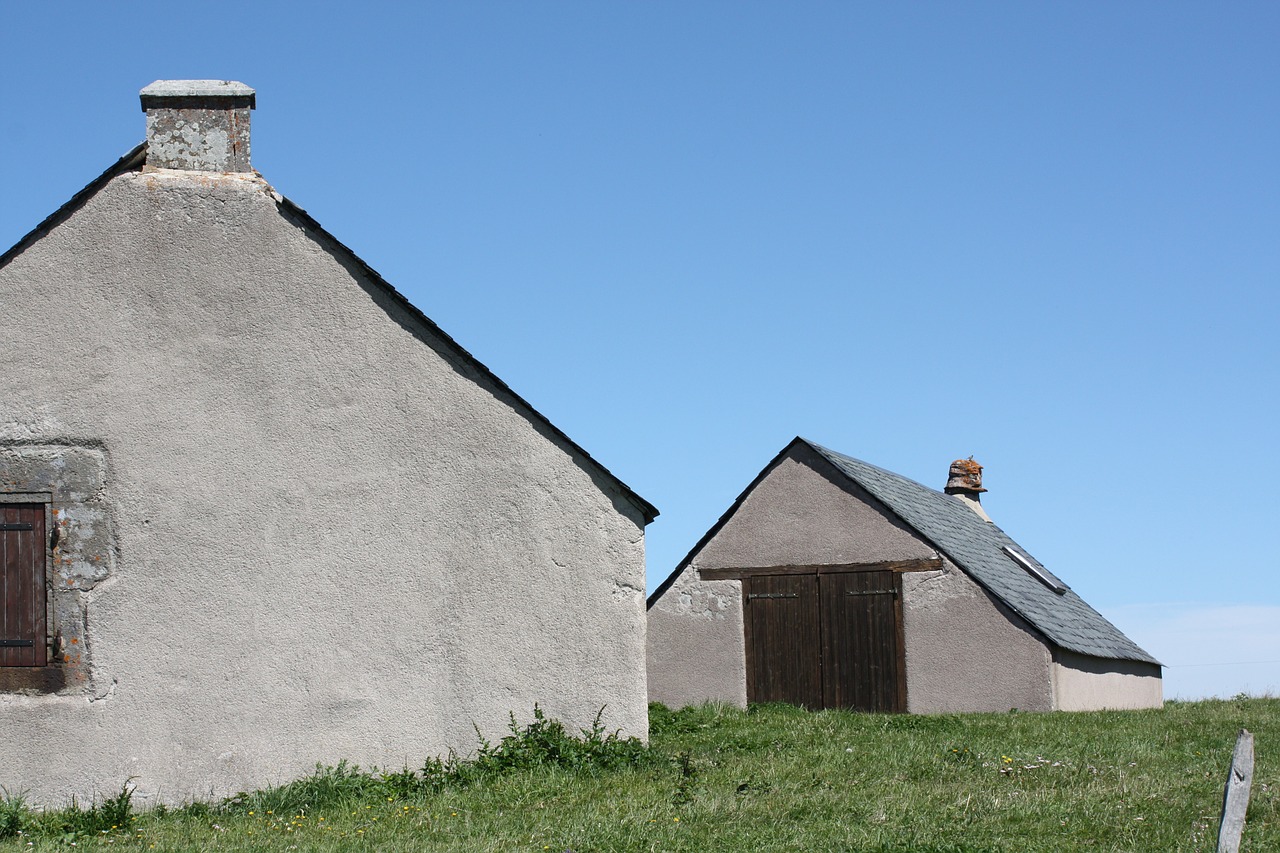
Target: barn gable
x,y
800,511
977,629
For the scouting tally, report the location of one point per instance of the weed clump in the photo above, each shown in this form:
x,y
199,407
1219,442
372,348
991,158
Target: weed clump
x,y
15,815
546,743
326,787
684,792
542,743
110,815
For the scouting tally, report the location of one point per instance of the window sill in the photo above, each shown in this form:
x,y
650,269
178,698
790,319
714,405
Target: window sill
x,y
32,679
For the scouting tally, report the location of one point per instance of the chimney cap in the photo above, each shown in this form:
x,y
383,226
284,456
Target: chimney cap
x,y
162,90
965,477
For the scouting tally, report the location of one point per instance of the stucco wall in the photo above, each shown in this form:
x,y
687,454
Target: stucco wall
x,y
966,651
799,516
1083,683
695,643
795,516
330,541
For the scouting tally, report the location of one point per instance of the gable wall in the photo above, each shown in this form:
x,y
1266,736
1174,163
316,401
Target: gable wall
x,y
966,651
800,516
695,650
329,538
963,650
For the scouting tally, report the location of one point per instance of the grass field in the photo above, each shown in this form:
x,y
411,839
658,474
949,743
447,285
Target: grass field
x,y
772,778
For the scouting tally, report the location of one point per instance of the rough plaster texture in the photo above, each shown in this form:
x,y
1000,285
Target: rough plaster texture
x,y
1083,683
695,643
964,651
968,652
800,516
332,536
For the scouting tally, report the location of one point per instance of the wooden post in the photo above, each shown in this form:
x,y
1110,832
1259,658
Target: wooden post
x,y
1235,797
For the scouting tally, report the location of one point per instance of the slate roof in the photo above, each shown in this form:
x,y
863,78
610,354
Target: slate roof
x,y
976,546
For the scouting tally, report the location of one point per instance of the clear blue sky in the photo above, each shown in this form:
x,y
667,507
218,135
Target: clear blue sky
x,y
1045,234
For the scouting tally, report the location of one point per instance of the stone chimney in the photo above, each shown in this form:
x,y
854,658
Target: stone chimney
x,y
965,483
198,125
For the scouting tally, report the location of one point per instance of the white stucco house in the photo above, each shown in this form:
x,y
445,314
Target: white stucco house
x,y
257,511
832,583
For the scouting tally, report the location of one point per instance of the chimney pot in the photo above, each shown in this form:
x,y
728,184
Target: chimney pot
x,y
965,478
198,125
965,485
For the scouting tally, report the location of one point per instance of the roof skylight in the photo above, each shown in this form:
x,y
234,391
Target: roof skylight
x,y
1035,571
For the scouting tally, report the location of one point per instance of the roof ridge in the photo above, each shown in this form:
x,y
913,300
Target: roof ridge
x,y
133,161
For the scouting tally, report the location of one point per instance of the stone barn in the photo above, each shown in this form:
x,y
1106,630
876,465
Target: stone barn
x,y
257,511
831,583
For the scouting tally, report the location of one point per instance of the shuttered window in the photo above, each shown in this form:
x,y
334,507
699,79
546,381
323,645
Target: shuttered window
x,y
22,585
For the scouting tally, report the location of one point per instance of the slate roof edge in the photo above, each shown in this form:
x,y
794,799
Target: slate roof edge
x,y
715,528
135,158
648,510
129,162
825,453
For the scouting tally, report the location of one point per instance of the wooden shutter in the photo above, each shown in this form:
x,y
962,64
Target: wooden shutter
x,y
783,638
861,641
22,619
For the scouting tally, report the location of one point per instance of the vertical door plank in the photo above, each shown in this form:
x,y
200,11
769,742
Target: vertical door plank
x,y
783,639
8,583
35,553
861,649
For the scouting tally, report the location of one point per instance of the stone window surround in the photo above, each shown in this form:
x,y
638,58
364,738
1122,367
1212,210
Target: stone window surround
x,y
70,478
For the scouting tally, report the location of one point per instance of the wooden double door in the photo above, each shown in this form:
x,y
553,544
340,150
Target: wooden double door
x,y
826,640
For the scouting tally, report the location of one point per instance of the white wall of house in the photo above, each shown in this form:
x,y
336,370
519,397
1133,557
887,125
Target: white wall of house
x,y
695,648
330,536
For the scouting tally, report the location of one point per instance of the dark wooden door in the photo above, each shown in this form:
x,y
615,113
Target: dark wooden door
x,y
831,640
22,592
861,652
782,635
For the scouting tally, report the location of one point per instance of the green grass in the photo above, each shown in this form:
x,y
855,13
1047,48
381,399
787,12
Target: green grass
x,y
772,778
